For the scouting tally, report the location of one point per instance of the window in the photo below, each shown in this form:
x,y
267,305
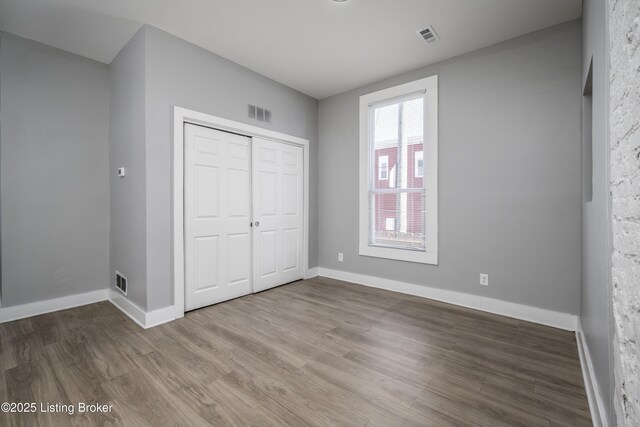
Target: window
x,y
418,168
398,207
383,168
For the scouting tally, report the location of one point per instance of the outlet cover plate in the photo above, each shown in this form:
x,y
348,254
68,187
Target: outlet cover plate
x,y
484,279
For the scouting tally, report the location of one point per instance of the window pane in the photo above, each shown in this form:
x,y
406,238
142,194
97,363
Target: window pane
x,y
397,198
397,220
397,131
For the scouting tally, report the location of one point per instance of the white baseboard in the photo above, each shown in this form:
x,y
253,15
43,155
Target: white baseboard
x,y
144,319
518,311
160,316
7,314
596,403
311,273
134,312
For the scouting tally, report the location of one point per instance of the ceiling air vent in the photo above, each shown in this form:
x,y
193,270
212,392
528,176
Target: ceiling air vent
x,y
428,34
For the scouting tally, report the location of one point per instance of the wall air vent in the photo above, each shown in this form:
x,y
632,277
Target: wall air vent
x,y
258,113
121,282
428,35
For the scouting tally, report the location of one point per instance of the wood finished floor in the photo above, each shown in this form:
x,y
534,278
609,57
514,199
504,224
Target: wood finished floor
x,y
316,352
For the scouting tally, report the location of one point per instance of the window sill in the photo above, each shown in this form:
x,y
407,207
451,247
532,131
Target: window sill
x,y
399,254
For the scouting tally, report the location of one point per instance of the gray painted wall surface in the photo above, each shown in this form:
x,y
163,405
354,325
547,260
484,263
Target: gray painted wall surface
x,y
594,300
509,170
179,73
55,192
127,148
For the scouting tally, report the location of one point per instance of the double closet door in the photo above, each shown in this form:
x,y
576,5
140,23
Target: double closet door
x,y
243,215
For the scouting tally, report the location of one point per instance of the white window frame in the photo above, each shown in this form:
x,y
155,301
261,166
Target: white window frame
x,y
429,86
416,168
386,163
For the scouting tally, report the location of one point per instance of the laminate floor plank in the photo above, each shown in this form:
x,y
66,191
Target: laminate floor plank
x,y
106,356
471,407
16,329
207,365
252,342
336,406
558,366
132,339
316,352
412,334
573,393
337,312
199,403
416,373
22,350
37,383
349,401
268,401
540,404
533,368
78,383
293,331
138,402
170,374
366,382
296,310
373,343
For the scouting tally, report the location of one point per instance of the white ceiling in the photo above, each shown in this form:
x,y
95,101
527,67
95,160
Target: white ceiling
x,y
318,47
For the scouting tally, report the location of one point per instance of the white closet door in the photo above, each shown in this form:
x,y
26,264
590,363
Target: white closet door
x,y
278,213
217,216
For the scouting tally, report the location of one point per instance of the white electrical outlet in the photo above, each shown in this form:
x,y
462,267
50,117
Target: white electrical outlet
x,y
340,256
484,279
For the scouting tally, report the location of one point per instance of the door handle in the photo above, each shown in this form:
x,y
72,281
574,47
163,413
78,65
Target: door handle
x,y
257,223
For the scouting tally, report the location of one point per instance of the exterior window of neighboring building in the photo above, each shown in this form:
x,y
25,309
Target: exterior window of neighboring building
x,y
383,168
419,165
398,192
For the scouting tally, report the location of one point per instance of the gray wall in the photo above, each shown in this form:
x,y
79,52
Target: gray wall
x,y
509,170
179,73
127,148
595,301
55,193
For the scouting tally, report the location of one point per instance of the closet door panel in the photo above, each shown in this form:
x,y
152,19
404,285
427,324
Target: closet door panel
x,y
278,213
217,216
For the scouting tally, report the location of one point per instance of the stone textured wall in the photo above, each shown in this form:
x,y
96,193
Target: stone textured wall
x,y
624,28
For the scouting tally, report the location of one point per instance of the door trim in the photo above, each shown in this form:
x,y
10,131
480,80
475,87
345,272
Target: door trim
x,y
180,117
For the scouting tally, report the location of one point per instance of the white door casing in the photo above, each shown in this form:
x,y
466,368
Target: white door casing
x,y
278,207
217,216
